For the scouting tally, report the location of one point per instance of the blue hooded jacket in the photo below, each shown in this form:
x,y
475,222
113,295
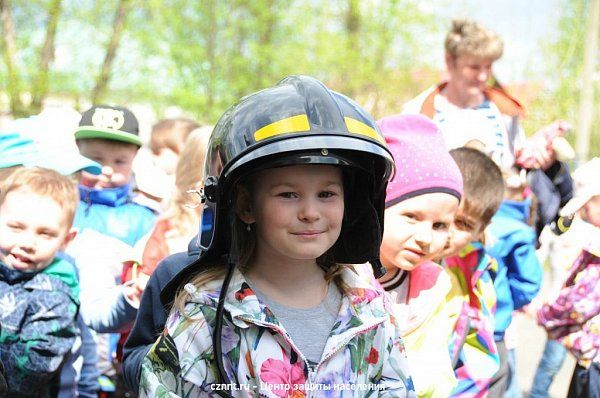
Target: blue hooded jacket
x,y
113,213
518,279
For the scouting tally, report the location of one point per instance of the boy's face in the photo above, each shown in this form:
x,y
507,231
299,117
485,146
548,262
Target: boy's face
x,y
590,212
32,229
465,229
416,230
116,160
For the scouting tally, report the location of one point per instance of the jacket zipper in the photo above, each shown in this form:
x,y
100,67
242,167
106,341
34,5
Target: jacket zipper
x,y
312,370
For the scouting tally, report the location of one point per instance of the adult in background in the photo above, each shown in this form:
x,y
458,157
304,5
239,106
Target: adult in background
x,y
471,107
466,98
468,109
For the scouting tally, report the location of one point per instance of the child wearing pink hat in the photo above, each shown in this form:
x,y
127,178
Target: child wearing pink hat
x,y
421,201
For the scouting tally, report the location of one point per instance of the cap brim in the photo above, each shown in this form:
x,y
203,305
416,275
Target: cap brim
x,y
65,163
107,134
574,205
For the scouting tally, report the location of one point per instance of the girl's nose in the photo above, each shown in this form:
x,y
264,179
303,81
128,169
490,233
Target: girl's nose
x,y
309,211
107,171
423,234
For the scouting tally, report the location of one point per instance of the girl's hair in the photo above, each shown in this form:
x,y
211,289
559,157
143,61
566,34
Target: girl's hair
x,y
171,133
245,244
188,175
467,37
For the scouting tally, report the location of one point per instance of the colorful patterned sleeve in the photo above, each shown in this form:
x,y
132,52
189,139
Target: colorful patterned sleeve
x,y
162,374
577,302
395,373
472,344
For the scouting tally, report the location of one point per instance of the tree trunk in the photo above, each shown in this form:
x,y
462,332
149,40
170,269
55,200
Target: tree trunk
x,y
40,88
352,25
211,42
267,21
9,51
111,51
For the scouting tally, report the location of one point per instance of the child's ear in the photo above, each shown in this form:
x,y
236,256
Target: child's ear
x,y
243,205
71,234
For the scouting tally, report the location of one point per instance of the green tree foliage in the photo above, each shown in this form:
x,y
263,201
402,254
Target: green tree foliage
x,y
564,58
203,55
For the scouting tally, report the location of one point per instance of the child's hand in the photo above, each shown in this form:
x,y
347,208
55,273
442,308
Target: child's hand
x,y
141,281
134,288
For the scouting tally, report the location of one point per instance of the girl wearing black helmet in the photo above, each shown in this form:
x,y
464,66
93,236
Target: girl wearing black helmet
x,y
294,189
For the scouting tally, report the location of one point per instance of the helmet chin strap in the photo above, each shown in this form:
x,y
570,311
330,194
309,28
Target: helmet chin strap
x,y
378,268
222,377
232,260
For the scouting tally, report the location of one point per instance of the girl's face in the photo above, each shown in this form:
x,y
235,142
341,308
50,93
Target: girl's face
x,y
416,230
296,212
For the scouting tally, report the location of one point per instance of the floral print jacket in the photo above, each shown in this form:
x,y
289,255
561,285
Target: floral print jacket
x,y
364,355
573,318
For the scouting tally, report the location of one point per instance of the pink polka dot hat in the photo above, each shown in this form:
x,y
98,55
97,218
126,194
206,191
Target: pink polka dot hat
x,y
423,164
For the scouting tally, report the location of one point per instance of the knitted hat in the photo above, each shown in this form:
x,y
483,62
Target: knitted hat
x,y
423,164
114,123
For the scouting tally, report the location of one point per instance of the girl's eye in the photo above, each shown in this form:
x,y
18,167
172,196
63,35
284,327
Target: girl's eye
x,y
287,195
327,194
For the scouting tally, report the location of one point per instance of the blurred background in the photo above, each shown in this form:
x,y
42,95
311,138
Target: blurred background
x,y
166,58
171,58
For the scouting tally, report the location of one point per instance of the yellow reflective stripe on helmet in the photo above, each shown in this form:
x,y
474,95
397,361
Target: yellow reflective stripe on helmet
x,y
288,125
357,127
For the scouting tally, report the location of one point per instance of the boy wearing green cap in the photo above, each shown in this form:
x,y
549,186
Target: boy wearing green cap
x,y
110,136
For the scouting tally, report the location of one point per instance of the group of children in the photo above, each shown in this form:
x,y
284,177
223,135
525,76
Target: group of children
x,y
335,256
76,225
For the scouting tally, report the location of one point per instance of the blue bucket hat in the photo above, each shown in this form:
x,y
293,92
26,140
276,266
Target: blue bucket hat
x,y
17,150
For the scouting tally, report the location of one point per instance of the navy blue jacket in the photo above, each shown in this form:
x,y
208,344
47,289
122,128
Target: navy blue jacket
x,y
152,314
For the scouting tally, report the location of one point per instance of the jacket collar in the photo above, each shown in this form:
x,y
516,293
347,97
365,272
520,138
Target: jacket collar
x,y
109,196
12,276
515,209
60,269
472,261
507,104
363,306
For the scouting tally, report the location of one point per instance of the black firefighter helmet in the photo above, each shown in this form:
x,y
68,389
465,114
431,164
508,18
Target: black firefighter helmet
x,y
298,121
